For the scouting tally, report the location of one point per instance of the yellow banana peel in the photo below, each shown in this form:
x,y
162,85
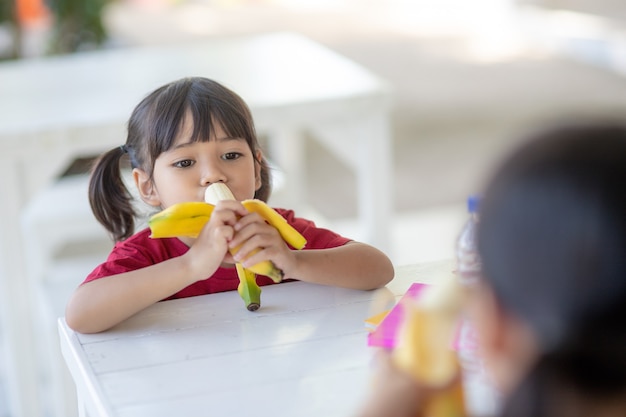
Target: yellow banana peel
x,y
287,232
248,289
180,220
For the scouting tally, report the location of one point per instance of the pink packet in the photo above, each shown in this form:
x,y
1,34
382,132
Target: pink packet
x,y
386,333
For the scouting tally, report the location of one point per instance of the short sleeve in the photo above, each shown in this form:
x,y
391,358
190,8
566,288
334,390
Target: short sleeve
x,y
316,237
136,252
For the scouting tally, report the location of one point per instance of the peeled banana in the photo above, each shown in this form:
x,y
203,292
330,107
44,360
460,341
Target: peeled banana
x,y
188,219
424,347
220,191
217,192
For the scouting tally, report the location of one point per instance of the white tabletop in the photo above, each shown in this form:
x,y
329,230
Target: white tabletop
x,y
304,353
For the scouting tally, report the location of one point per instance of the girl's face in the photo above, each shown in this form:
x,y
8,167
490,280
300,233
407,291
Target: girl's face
x,y
182,173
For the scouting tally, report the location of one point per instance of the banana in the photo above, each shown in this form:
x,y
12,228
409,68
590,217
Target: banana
x,y
248,289
220,191
188,219
287,232
424,346
166,222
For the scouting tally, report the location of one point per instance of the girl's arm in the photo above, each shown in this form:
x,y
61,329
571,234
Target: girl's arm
x,y
353,265
101,304
393,393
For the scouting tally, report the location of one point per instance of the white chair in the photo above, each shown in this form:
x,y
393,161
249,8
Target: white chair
x,y
63,243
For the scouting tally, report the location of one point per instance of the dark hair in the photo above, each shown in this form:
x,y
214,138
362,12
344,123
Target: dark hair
x,y
552,238
152,130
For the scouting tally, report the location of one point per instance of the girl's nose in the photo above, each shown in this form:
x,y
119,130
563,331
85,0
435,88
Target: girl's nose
x,y
210,175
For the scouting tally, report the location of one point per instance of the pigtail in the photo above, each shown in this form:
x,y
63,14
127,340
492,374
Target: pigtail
x,y
110,200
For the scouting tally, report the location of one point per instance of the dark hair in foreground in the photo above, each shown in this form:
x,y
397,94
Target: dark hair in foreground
x,y
552,238
152,130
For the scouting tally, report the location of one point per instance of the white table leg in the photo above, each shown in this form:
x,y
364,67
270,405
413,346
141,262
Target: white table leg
x,y
364,144
375,181
286,148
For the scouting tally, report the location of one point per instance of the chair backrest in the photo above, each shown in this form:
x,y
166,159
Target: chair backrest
x,y
55,218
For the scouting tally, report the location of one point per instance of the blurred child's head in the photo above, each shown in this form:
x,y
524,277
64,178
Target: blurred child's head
x,y
552,238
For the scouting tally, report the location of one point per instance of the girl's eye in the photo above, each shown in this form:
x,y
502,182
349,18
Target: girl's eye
x,y
185,163
231,155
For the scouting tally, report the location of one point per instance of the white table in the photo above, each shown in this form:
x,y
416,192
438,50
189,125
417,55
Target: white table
x,y
53,110
304,353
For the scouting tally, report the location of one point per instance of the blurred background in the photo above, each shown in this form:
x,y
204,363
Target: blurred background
x,y
469,79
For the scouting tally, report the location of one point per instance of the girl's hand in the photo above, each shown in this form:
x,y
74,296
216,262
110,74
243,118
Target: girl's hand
x,y
394,393
210,249
255,240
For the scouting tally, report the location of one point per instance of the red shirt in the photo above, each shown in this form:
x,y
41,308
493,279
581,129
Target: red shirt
x,y
140,251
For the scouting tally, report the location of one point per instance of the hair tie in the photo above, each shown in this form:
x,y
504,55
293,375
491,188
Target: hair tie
x,y
123,148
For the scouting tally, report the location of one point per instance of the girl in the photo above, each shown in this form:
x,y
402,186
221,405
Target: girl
x,y
551,308
183,137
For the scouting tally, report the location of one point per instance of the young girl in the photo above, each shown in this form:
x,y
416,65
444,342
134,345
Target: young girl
x,y
551,308
183,137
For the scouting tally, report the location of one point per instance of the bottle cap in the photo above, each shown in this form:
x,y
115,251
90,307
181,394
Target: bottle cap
x,y
473,202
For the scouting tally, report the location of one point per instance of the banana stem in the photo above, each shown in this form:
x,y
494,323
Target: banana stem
x,y
248,289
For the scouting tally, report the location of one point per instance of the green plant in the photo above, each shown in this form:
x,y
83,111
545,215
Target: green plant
x,y
8,18
6,11
77,25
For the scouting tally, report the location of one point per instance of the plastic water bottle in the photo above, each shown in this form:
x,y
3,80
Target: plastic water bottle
x,y
468,263
479,393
